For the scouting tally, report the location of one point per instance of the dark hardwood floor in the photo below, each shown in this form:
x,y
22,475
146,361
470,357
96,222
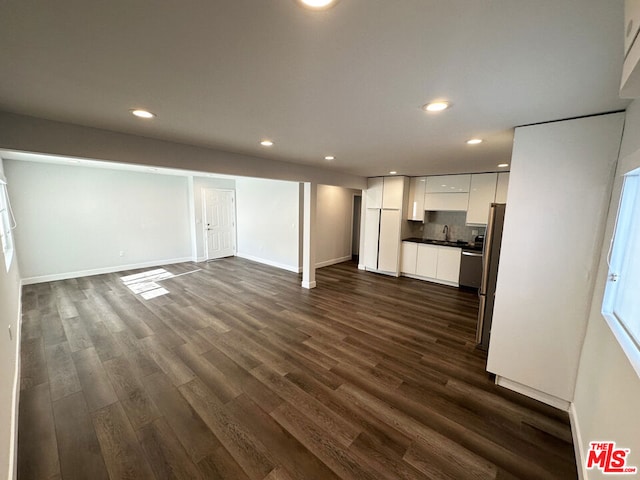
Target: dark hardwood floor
x,y
239,373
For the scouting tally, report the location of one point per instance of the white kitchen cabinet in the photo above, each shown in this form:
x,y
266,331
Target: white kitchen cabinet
x,y
431,262
452,202
393,192
427,261
481,195
448,184
374,192
449,264
630,84
416,199
371,232
389,242
386,197
409,257
502,187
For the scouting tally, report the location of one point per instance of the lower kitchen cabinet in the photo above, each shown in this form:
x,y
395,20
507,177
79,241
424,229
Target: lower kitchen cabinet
x,y
431,262
449,264
427,261
409,257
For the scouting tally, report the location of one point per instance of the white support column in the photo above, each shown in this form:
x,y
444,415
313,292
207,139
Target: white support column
x,y
309,236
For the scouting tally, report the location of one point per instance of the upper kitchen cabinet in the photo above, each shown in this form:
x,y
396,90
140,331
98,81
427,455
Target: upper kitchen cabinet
x,y
630,85
416,199
447,193
448,184
481,195
385,192
446,202
393,192
374,192
502,187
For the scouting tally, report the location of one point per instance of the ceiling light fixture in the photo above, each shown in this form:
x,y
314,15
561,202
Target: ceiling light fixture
x,y
392,172
474,141
435,106
138,112
503,165
266,143
329,157
317,4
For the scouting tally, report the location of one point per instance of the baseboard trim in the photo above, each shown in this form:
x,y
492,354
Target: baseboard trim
x,y
556,402
13,450
429,279
309,285
577,442
99,271
361,266
271,263
382,272
333,261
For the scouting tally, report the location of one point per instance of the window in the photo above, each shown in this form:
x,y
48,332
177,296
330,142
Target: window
x,y
7,223
621,305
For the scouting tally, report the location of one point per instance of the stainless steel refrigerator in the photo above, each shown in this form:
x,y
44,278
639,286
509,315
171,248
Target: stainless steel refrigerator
x,y
490,259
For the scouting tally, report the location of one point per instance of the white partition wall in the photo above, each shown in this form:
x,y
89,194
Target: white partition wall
x,y
76,221
268,222
559,189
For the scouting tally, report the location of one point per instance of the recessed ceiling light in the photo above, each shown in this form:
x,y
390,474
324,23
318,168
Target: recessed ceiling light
x,y
142,113
474,141
503,165
266,143
329,157
392,172
317,4
435,106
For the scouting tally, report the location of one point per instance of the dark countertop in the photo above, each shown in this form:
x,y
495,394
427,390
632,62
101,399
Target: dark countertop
x,y
457,244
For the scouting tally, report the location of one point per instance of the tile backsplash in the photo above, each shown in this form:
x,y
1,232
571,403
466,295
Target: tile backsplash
x,y
434,223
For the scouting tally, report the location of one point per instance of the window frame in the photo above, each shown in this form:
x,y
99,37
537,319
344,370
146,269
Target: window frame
x,y
7,224
628,211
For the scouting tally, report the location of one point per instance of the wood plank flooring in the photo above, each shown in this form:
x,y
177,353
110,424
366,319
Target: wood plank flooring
x,y
239,373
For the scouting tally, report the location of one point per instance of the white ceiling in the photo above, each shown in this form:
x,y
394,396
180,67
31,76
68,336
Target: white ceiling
x,y
348,81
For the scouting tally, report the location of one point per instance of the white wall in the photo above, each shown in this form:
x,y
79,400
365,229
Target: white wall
x,y
559,191
198,184
607,391
268,222
334,223
75,220
9,314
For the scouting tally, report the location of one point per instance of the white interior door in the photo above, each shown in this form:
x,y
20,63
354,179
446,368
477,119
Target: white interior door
x,y
219,222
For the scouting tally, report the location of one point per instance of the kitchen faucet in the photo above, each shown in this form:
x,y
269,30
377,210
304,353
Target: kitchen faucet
x,y
445,230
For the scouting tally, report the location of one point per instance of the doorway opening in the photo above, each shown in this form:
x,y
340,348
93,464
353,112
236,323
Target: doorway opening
x,y
355,229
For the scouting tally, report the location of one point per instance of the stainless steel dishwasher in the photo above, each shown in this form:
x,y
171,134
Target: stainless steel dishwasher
x,y
471,268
